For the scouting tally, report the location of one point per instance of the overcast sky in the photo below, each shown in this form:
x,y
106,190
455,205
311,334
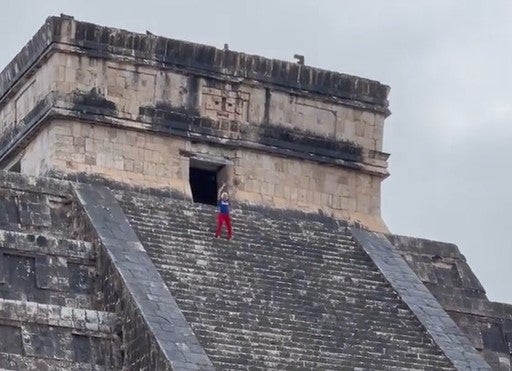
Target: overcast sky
x,y
449,65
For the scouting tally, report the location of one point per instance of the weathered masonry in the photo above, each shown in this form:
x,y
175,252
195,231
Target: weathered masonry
x,y
156,112
107,260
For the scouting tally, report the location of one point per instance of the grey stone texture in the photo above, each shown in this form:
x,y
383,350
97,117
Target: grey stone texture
x,y
105,41
418,298
136,108
49,317
444,271
303,294
157,335
291,291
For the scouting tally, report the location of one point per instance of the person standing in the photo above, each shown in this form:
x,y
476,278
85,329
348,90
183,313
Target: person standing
x,y
223,208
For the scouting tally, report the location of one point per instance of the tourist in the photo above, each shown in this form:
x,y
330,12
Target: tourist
x,y
223,212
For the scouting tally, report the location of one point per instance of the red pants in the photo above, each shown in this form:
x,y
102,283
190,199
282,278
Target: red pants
x,y
221,219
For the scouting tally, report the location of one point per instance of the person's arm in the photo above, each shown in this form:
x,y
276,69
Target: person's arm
x,y
221,189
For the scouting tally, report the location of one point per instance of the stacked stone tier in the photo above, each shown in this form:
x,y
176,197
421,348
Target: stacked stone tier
x,y
290,291
49,314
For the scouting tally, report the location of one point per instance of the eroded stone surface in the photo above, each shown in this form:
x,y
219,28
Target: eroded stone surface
x,y
157,336
316,135
49,313
290,291
445,272
146,159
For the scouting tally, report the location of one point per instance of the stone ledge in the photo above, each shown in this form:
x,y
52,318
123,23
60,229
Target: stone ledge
x,y
55,315
414,245
22,182
46,245
477,307
196,58
24,362
29,55
418,298
349,156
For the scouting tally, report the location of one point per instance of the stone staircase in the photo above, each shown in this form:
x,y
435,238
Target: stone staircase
x,y
291,291
49,317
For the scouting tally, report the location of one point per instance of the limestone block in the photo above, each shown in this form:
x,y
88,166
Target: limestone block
x,y
303,113
369,131
227,103
7,117
26,98
337,202
364,182
348,203
367,118
359,128
349,129
256,109
294,194
365,142
151,160
363,203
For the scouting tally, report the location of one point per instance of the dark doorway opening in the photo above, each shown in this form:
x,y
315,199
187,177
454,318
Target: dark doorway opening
x,y
203,183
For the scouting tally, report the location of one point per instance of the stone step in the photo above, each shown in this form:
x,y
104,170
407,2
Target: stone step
x,y
272,328
177,232
254,290
45,269
316,248
36,334
289,292
206,222
240,225
229,359
236,262
273,337
234,361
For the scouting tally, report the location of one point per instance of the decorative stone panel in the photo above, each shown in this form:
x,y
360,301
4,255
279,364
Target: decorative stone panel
x,y
225,104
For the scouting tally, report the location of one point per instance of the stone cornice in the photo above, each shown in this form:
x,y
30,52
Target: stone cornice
x,y
198,59
57,106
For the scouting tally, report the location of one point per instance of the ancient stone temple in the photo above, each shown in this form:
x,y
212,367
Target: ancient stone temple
x,y
113,147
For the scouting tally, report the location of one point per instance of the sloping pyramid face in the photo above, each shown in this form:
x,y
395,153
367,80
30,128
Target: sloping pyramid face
x,y
443,269
49,316
291,291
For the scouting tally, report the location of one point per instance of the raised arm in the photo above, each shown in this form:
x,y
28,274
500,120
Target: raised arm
x,y
221,189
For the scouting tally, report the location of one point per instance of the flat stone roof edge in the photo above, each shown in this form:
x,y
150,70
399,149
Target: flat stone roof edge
x,y
190,56
28,55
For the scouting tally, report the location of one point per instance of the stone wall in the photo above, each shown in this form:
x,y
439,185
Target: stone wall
x,y
133,92
298,137
131,89
145,159
29,94
50,317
